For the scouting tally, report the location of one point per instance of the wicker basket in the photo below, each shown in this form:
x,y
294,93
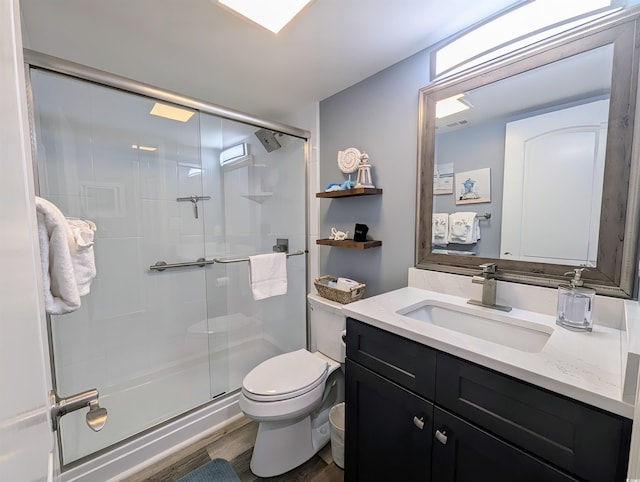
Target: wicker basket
x,y
334,294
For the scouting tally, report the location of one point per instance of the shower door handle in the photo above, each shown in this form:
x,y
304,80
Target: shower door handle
x,y
96,416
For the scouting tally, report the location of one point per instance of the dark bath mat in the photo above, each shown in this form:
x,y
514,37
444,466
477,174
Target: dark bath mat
x,y
218,470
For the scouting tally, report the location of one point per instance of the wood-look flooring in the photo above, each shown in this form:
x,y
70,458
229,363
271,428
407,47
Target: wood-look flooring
x,y
235,444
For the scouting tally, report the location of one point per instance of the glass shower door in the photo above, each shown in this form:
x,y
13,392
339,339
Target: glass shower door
x,y
259,199
103,155
157,343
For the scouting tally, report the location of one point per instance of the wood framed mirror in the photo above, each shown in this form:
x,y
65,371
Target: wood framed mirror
x,y
542,151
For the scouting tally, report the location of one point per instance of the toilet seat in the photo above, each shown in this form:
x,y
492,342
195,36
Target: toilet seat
x,y
285,376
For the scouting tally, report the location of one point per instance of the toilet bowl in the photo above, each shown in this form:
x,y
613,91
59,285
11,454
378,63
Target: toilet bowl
x,y
290,395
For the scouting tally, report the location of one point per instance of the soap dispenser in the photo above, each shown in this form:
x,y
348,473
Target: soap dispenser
x,y
575,303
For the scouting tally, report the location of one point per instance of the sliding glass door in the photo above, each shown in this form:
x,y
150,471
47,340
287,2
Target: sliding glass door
x,y
159,342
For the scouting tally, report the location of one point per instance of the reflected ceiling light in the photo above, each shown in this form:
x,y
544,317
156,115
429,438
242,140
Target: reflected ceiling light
x,y
143,148
451,105
170,112
270,14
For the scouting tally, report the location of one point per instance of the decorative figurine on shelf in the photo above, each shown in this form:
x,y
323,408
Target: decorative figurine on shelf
x,y
348,162
361,232
364,172
338,235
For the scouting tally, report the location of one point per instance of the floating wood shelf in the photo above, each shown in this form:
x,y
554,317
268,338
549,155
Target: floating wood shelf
x,y
356,191
350,243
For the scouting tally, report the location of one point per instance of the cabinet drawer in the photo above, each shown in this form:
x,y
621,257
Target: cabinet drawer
x,y
406,362
580,439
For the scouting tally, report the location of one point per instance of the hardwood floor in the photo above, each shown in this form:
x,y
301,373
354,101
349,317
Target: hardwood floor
x,y
235,444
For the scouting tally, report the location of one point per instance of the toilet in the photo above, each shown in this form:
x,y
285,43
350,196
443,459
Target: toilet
x,y
290,395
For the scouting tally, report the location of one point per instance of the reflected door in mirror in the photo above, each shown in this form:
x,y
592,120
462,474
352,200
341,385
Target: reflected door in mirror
x,y
553,175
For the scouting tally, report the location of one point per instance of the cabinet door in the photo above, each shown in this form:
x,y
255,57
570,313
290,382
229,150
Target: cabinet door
x,y
388,429
464,453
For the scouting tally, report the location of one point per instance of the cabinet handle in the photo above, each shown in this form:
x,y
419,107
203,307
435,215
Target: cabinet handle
x,y
441,436
418,422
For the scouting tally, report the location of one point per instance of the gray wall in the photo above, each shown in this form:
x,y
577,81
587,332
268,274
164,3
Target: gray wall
x,y
475,147
379,116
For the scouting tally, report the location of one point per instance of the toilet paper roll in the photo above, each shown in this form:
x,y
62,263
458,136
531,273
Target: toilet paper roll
x,y
345,284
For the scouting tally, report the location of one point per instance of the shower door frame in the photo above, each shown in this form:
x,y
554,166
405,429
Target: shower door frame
x,y
38,60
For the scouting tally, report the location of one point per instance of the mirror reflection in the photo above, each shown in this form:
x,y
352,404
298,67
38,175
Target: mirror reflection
x,y
519,164
528,162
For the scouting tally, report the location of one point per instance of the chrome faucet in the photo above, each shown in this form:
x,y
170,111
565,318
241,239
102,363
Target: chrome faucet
x,y
488,281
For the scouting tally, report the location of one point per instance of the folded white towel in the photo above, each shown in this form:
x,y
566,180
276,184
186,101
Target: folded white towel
x,y
439,229
464,228
268,275
82,257
56,242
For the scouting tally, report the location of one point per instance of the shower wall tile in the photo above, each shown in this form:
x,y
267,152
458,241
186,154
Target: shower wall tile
x,y
159,177
190,178
74,352
65,145
175,301
70,206
160,232
119,262
186,222
68,164
135,325
115,198
190,247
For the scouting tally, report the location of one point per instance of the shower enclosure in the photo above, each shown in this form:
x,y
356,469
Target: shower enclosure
x,y
180,200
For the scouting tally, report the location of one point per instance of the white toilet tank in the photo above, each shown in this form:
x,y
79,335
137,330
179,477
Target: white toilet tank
x,y
327,324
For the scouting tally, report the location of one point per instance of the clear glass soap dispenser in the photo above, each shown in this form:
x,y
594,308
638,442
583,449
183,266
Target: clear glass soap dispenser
x,y
575,303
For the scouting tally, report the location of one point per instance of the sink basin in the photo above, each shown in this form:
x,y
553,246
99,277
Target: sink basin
x,y
499,328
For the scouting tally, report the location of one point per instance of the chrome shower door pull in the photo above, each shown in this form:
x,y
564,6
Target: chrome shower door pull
x,y
96,417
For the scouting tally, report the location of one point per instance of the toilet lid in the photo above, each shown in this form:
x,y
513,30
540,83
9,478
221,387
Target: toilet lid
x,y
285,376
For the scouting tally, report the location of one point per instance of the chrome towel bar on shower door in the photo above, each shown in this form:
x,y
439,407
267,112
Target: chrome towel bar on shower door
x,y
161,265
239,260
201,262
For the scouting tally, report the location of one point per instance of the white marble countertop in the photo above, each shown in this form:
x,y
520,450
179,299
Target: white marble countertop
x,y
580,365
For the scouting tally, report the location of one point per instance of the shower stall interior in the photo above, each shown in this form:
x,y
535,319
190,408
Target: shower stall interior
x,y
197,191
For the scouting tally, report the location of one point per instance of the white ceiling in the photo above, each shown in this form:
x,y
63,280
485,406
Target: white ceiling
x,y
200,49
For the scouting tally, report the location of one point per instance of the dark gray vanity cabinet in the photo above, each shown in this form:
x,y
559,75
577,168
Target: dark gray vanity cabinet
x,y
391,430
427,415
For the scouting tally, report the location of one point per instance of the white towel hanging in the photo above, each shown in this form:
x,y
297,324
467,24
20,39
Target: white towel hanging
x,y
464,228
66,257
268,275
82,256
56,242
440,229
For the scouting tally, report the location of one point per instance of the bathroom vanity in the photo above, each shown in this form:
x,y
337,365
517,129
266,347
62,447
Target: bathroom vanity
x,y
519,399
